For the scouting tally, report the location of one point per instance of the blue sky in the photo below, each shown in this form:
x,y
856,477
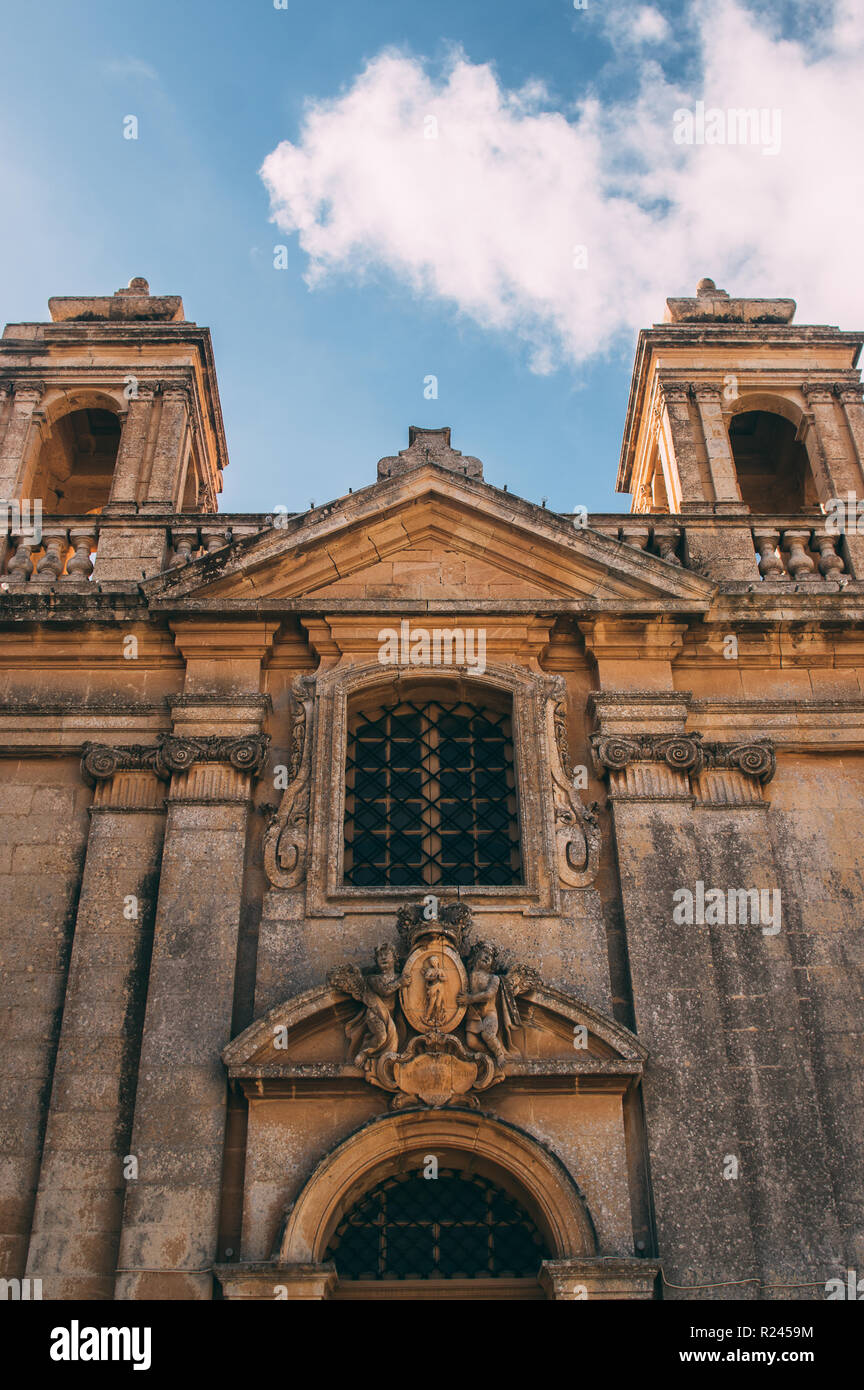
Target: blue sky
x,y
318,383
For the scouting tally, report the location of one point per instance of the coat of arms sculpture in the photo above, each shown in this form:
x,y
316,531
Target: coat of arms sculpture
x,y
440,1028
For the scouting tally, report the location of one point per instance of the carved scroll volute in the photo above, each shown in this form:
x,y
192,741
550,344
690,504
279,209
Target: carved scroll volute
x,y
577,833
286,837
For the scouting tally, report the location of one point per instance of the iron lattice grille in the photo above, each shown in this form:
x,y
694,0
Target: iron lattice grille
x,y
455,1226
430,797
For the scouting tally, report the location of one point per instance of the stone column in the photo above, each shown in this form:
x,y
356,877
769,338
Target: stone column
x,y
835,445
783,1164
170,444
717,447
837,451
17,438
133,445
79,1203
131,551
676,398
725,553
171,1216
5,407
5,516
849,395
703,1230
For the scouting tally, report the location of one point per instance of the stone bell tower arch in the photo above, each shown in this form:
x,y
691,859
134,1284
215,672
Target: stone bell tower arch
x,y
735,410
111,409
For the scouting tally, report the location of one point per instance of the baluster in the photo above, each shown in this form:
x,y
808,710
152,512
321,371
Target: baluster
x,y
637,536
770,562
800,565
213,538
56,544
79,566
185,540
20,566
666,540
830,563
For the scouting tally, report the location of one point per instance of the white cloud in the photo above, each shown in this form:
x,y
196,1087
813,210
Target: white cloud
x,y
650,25
488,215
643,24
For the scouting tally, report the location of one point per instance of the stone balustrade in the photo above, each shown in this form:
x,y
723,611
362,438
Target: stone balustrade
x,y
784,548
798,552
662,538
63,550
797,548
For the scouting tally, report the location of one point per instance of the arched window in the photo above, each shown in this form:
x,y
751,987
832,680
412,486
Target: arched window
x,y
455,1226
430,795
772,465
76,463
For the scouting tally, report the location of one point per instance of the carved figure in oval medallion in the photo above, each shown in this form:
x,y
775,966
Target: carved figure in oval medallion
x,y
435,1013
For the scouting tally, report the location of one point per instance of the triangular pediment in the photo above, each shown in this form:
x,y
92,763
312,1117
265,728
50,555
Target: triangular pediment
x,y
428,535
306,1035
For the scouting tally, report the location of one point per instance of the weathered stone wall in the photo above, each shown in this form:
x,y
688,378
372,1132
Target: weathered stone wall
x,y
43,835
817,828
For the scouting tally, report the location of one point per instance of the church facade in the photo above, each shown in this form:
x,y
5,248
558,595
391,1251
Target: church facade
x,y
428,895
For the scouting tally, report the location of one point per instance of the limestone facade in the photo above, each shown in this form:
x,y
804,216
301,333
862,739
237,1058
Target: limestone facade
x,y
610,994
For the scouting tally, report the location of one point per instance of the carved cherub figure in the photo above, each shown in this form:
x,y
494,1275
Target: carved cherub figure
x,y
376,990
491,1000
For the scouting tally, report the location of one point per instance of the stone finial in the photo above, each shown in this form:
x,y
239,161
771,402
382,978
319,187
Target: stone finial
x,y
137,285
707,287
718,306
429,446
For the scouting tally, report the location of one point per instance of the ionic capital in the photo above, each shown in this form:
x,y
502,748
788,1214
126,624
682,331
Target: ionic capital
x,y
707,391
614,752
173,753
683,753
176,391
818,392
29,392
675,392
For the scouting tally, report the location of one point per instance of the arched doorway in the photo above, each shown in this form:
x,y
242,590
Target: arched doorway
x,y
499,1207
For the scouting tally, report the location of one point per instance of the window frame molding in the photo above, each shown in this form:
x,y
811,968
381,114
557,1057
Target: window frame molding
x,y
536,765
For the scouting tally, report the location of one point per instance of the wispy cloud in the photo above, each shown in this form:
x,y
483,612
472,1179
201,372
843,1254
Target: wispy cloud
x,y
126,68
483,197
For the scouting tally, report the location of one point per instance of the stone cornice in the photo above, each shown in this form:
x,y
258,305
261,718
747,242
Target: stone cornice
x,y
260,702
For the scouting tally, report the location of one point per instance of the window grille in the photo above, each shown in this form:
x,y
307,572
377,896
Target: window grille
x,y
455,1226
430,797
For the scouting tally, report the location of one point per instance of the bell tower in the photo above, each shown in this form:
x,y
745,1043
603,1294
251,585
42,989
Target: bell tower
x,y
736,410
111,410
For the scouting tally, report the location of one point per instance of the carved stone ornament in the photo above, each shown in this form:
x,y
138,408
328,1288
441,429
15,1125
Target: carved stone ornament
x,y
171,754
684,753
441,1028
577,832
287,835
681,752
755,759
245,754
